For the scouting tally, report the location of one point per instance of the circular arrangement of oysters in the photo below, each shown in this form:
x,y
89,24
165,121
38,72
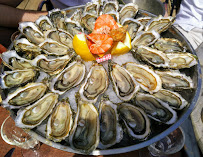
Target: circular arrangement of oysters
x,y
92,107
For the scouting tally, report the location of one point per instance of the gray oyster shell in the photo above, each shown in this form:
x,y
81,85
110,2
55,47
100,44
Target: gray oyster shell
x,y
110,6
33,115
76,16
144,20
110,130
135,121
73,27
92,8
44,23
88,21
60,122
57,18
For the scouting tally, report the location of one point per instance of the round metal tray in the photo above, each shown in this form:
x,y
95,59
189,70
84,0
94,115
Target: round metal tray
x,y
159,131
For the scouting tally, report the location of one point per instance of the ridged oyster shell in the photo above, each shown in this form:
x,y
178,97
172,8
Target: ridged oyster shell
x,y
34,114
44,23
60,122
57,18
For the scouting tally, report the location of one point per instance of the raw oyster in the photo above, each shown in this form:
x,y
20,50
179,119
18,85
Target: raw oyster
x,y
88,21
134,26
110,6
33,115
12,60
44,23
175,80
124,84
159,23
145,38
69,77
110,129
76,16
84,135
146,77
173,99
73,27
92,8
23,45
16,77
52,47
32,32
181,60
60,122
153,56
128,11
144,20
51,65
169,45
135,120
23,96
57,17
155,108
96,83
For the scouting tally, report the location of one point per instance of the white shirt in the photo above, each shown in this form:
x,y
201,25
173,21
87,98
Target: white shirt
x,y
190,14
61,4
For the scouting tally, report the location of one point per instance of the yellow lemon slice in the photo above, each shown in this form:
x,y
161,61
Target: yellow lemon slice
x,y
122,47
81,48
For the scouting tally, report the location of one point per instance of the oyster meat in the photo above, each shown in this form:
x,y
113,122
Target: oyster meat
x,y
73,27
88,21
60,122
44,23
34,114
92,8
57,17
110,6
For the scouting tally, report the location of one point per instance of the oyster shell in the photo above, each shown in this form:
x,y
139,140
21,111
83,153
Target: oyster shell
x,y
146,77
144,20
124,84
128,11
92,8
155,108
25,95
76,16
173,99
60,122
70,77
159,23
145,38
44,23
16,77
52,47
88,21
96,83
84,135
115,15
13,61
153,57
175,80
33,115
134,26
73,27
135,121
110,129
169,45
181,60
110,6
51,65
32,32
57,17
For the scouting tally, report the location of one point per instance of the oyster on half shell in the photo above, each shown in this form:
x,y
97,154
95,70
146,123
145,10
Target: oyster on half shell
x,y
84,135
110,129
33,115
57,17
44,23
88,21
124,84
60,122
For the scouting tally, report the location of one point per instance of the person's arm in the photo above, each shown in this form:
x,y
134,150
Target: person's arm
x,y
11,16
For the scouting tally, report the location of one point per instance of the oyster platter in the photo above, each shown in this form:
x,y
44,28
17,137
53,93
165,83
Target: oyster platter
x,y
103,77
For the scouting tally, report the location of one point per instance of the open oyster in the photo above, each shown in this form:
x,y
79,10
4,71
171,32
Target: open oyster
x,y
173,99
95,84
144,20
73,27
60,122
175,80
23,96
92,8
88,21
156,109
110,6
124,84
110,129
84,135
34,114
57,17
44,23
146,77
76,16
135,121
32,32
69,77
16,77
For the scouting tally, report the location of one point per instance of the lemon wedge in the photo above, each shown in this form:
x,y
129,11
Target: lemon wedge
x,y
122,47
81,48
